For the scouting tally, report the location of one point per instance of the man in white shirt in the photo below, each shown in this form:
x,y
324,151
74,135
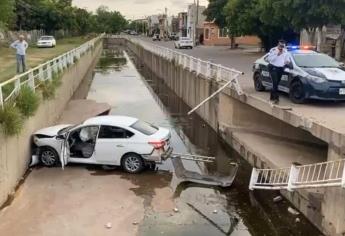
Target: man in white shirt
x,y
277,58
20,45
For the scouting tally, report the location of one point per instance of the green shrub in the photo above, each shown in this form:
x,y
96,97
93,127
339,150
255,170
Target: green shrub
x,y
48,90
11,120
27,101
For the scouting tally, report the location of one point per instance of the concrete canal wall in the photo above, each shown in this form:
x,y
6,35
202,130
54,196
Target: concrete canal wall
x,y
15,152
266,137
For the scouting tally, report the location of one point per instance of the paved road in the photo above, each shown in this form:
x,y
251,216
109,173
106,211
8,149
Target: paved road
x,y
328,114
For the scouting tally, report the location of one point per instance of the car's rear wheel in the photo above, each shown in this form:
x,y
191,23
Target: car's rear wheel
x,y
132,163
258,83
297,94
49,157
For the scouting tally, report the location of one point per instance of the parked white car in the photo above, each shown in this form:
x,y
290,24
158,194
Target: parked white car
x,y
105,140
46,42
156,37
184,42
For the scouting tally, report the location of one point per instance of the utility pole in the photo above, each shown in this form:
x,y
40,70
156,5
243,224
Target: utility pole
x,y
196,22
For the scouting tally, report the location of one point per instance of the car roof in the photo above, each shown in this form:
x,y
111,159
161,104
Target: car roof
x,y
47,36
111,120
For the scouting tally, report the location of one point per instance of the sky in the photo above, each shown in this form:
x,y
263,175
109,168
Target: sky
x,y
134,9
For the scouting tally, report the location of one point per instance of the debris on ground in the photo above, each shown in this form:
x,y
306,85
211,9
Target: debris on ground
x,y
135,223
176,210
215,212
108,225
277,199
293,211
297,220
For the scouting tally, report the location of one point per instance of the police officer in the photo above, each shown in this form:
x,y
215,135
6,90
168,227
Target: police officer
x,y
278,58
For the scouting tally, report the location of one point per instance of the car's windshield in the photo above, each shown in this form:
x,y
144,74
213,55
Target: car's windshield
x,y
144,127
66,129
46,38
314,60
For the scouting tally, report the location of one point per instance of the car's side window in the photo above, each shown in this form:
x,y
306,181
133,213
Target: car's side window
x,y
112,132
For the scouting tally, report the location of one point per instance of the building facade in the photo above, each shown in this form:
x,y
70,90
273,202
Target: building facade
x,y
195,21
214,36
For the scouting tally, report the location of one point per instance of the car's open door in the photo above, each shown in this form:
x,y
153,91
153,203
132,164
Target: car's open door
x,y
64,153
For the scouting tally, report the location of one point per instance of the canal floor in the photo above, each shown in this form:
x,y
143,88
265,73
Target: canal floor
x,y
131,89
87,200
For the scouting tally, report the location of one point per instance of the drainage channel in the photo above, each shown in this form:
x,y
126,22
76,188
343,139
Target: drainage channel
x,y
131,89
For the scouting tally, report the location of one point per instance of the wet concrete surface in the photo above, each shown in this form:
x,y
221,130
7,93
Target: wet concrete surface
x,y
81,199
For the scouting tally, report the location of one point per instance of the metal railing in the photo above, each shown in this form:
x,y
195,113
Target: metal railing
x,y
324,174
209,70
43,72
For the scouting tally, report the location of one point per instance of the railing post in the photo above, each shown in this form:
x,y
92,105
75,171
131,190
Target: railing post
x,y
293,176
343,177
40,73
185,61
191,60
49,71
198,69
208,70
31,81
253,179
1,98
17,85
219,73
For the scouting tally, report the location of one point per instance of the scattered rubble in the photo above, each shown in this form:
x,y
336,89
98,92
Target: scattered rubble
x,y
176,210
277,199
108,225
297,220
293,211
215,212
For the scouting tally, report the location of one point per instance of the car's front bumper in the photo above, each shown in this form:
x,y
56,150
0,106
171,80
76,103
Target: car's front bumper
x,y
327,91
41,45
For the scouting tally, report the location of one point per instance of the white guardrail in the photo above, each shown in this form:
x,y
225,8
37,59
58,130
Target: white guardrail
x,y
35,76
317,175
206,68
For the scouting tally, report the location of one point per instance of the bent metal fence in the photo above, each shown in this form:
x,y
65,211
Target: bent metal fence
x,y
209,70
43,72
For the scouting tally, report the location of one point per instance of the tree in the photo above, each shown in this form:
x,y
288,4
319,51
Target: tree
x,y
6,12
109,21
215,11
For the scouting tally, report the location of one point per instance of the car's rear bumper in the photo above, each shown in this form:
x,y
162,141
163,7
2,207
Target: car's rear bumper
x,y
158,156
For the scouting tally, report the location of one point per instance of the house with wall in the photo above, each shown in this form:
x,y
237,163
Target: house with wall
x,y
214,36
195,20
182,18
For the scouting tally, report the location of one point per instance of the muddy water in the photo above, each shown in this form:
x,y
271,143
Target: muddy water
x,y
201,210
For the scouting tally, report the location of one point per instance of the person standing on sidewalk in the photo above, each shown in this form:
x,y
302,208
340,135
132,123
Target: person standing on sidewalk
x,y
20,45
277,58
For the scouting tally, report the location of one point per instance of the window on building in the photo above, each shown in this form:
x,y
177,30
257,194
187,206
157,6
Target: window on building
x,y
223,32
207,33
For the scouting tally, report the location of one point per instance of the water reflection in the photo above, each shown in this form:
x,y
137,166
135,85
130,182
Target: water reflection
x,y
111,60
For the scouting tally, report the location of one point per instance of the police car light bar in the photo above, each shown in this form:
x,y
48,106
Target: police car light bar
x,y
300,47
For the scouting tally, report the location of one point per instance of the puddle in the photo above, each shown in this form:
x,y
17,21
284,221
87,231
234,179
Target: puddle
x,y
202,210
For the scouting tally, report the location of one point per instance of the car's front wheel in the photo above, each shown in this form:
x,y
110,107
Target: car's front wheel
x,y
297,94
258,82
132,163
49,157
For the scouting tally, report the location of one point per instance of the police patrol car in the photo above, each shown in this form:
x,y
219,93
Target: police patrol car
x,y
311,75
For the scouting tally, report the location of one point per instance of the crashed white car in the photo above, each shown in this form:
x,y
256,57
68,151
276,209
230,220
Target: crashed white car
x,y
46,42
105,140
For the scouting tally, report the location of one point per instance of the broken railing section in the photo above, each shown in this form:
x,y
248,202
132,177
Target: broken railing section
x,y
318,175
207,69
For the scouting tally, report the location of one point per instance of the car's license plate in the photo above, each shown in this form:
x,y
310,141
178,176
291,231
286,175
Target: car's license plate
x,y
342,91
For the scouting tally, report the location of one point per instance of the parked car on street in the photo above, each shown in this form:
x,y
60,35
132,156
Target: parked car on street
x,y
312,75
104,140
46,42
156,37
184,42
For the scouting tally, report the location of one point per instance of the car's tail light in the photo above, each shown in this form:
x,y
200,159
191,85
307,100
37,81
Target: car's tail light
x,y
157,144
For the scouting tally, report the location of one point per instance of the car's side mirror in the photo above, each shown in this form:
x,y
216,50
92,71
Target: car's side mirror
x,y
61,137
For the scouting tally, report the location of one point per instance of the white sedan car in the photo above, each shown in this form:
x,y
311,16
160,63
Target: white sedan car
x,y
105,140
46,42
184,42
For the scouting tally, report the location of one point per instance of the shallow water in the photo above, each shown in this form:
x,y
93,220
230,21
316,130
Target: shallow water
x,y
203,210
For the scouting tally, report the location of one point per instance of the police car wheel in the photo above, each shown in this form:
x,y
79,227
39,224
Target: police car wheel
x,y
297,94
258,82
